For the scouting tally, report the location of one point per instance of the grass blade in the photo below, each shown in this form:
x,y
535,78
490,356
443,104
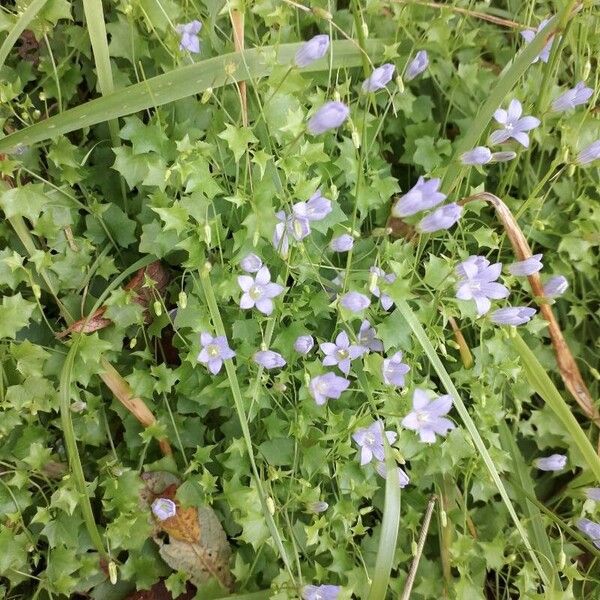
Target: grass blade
x,y
536,526
20,26
429,350
544,387
181,83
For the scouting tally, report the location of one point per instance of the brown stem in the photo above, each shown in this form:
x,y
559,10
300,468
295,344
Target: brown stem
x,y
566,363
237,21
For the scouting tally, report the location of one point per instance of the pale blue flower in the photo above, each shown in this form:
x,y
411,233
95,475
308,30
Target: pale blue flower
x,y
528,36
355,301
259,291
269,359
513,315
251,263
367,337
315,209
312,50
379,78
554,462
503,156
214,351
593,493
423,195
556,286
514,126
320,592
370,441
342,353
317,507
330,116
589,153
441,218
591,529
189,36
164,508
427,416
289,226
379,275
417,65
478,156
304,344
342,243
580,94
394,370
403,479
330,385
478,282
529,266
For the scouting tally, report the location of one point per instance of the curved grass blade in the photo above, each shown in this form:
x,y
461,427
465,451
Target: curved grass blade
x,y
536,525
543,385
28,15
389,530
183,82
506,82
429,350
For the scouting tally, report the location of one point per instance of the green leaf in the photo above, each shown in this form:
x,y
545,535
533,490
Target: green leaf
x,y
238,139
15,313
26,201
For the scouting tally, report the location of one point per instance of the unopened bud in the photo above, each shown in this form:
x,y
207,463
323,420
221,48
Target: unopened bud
x,y
587,69
271,505
182,300
133,343
157,308
400,84
355,138
112,572
206,96
322,13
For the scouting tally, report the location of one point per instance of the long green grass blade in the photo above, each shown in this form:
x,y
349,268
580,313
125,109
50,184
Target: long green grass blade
x,y
543,385
215,315
506,82
94,17
389,531
429,350
183,82
28,15
520,472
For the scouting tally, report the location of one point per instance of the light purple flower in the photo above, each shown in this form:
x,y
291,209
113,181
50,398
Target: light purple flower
x,y
591,529
378,275
330,385
503,156
312,50
478,282
529,266
317,507
259,291
251,263
593,494
342,353
288,227
427,416
379,78
189,36
367,339
441,218
554,462
394,370
528,36
330,116
164,508
417,65
589,153
269,359
556,286
514,126
423,195
513,315
214,351
304,344
315,209
580,94
355,301
342,243
320,592
402,476
370,441
478,156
